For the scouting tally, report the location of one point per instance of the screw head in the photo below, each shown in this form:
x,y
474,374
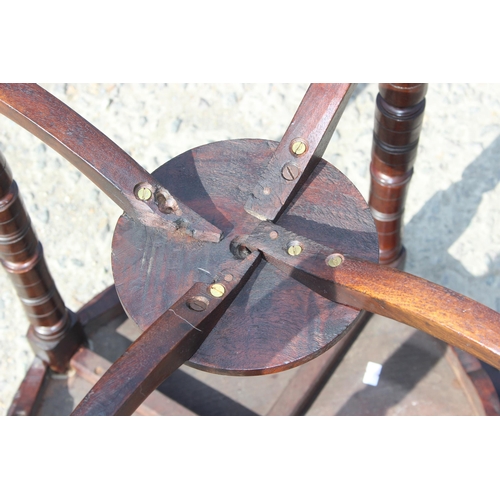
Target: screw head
x,y
273,235
294,248
290,171
334,260
298,147
217,290
144,193
228,277
198,303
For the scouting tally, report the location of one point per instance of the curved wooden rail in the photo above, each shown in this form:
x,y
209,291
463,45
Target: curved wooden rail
x,y
179,332
100,159
167,344
300,149
447,315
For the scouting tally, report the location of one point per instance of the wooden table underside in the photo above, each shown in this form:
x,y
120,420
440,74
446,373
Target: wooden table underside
x,y
275,323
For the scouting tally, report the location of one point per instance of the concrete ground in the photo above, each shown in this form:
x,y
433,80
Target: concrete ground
x,y
452,214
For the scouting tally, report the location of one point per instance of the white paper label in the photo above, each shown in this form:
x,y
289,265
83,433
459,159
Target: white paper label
x,y
372,373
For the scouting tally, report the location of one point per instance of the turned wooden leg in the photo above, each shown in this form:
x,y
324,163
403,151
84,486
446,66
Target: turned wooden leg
x,y
54,332
398,120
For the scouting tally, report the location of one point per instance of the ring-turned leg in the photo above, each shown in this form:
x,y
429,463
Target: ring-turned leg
x,y
54,332
398,120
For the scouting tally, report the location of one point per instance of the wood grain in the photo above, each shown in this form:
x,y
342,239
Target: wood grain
x,y
443,313
90,366
167,344
311,377
275,323
100,159
313,123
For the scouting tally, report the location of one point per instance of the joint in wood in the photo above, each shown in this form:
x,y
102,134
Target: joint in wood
x,y
57,349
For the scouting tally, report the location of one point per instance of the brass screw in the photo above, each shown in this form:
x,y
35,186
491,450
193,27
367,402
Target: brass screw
x,y
298,147
228,277
198,303
290,171
144,193
217,290
294,248
334,260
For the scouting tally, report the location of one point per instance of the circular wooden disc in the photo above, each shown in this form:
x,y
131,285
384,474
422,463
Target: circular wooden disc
x,y
275,323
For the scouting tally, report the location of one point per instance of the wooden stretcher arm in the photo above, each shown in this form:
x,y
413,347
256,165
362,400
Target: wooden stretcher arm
x,y
101,160
300,149
443,313
167,344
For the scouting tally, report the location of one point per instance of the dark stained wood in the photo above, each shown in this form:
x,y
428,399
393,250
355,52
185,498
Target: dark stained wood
x,y
487,392
481,382
447,315
275,323
398,121
54,333
313,125
90,366
304,386
29,391
99,158
310,378
101,309
403,95
22,257
163,347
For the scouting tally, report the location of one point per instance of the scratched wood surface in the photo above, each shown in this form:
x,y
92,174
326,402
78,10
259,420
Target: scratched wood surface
x,y
474,284
300,149
95,155
165,346
275,323
436,310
